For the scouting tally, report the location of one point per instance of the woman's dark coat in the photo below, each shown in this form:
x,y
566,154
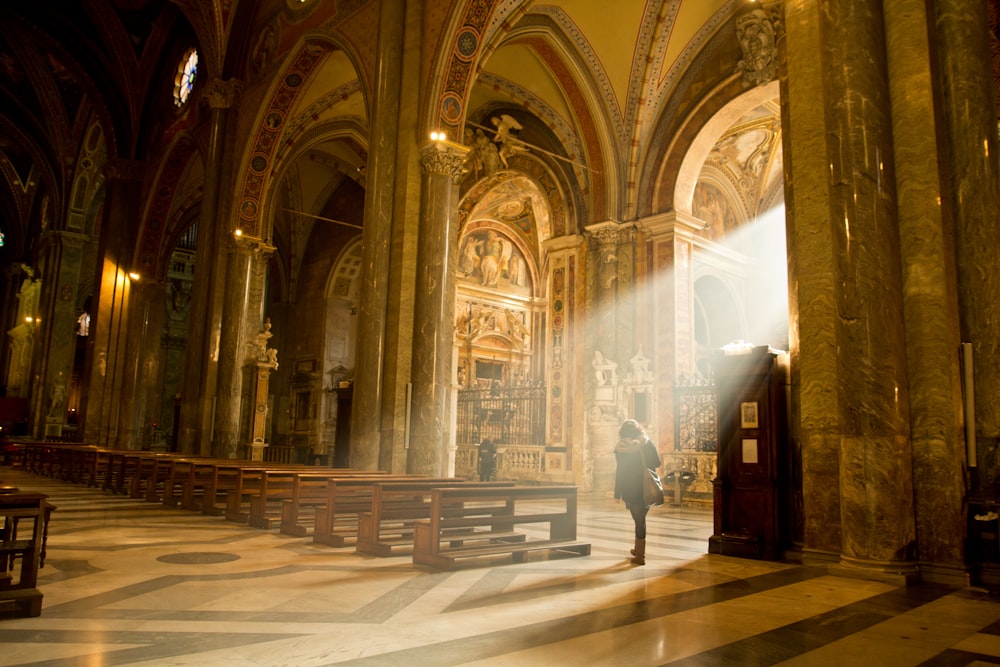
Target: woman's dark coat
x,y
628,476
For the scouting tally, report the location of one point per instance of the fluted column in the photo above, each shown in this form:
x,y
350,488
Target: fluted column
x,y
198,372
929,288
970,113
434,309
242,319
380,192
845,262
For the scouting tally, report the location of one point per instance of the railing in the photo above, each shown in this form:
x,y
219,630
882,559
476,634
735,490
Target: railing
x,y
513,418
505,415
512,462
694,462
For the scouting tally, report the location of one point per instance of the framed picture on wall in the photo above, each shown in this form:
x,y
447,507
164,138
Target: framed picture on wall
x,y
748,415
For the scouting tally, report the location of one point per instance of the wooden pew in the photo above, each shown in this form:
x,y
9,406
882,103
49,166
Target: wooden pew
x,y
465,524
149,474
226,478
387,529
278,485
186,482
250,482
310,495
16,510
336,522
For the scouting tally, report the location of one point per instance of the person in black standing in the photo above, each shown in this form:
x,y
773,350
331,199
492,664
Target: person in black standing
x,y
487,460
633,454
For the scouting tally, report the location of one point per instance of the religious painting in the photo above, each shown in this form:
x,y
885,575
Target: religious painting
x,y
490,259
713,208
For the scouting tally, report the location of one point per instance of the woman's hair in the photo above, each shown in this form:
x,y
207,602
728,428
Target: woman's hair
x,y
630,428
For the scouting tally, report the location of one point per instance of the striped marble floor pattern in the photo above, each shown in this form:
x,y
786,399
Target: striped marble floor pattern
x,y
128,582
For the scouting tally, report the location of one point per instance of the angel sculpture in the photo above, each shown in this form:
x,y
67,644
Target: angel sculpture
x,y
508,143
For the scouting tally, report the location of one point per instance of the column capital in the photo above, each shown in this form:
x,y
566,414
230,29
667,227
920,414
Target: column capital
x,y
62,238
670,222
446,158
222,94
610,232
122,169
563,244
250,246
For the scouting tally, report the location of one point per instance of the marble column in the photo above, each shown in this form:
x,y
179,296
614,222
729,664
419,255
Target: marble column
x,y
669,288
198,372
140,387
929,288
610,321
970,119
61,256
242,318
380,192
845,265
434,310
104,366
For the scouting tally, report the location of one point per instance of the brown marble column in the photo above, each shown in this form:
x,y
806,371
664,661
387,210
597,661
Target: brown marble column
x,y
970,115
140,387
61,258
929,288
367,410
845,268
434,310
104,370
242,320
198,372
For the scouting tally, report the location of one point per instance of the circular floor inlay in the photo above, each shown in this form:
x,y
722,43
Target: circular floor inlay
x,y
198,558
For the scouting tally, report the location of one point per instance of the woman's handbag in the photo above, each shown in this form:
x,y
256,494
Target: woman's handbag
x,y
652,489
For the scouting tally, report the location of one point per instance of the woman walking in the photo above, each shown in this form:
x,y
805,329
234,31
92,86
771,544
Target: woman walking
x,y
634,453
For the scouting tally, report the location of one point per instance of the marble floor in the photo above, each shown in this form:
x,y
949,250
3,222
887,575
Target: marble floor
x,y
128,582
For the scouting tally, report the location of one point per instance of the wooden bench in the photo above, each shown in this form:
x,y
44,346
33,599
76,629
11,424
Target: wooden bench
x,y
278,485
336,522
465,524
310,496
149,474
186,482
259,479
387,528
19,588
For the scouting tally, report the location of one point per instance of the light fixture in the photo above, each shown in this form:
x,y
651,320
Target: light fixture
x,y
238,233
134,276
438,135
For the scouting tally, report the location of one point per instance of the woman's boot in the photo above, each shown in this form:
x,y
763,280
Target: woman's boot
x,y
639,553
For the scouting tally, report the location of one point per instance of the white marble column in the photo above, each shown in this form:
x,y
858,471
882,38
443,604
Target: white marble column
x,y
434,309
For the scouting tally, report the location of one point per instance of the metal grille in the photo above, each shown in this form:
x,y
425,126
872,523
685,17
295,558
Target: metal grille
x,y
505,415
697,415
